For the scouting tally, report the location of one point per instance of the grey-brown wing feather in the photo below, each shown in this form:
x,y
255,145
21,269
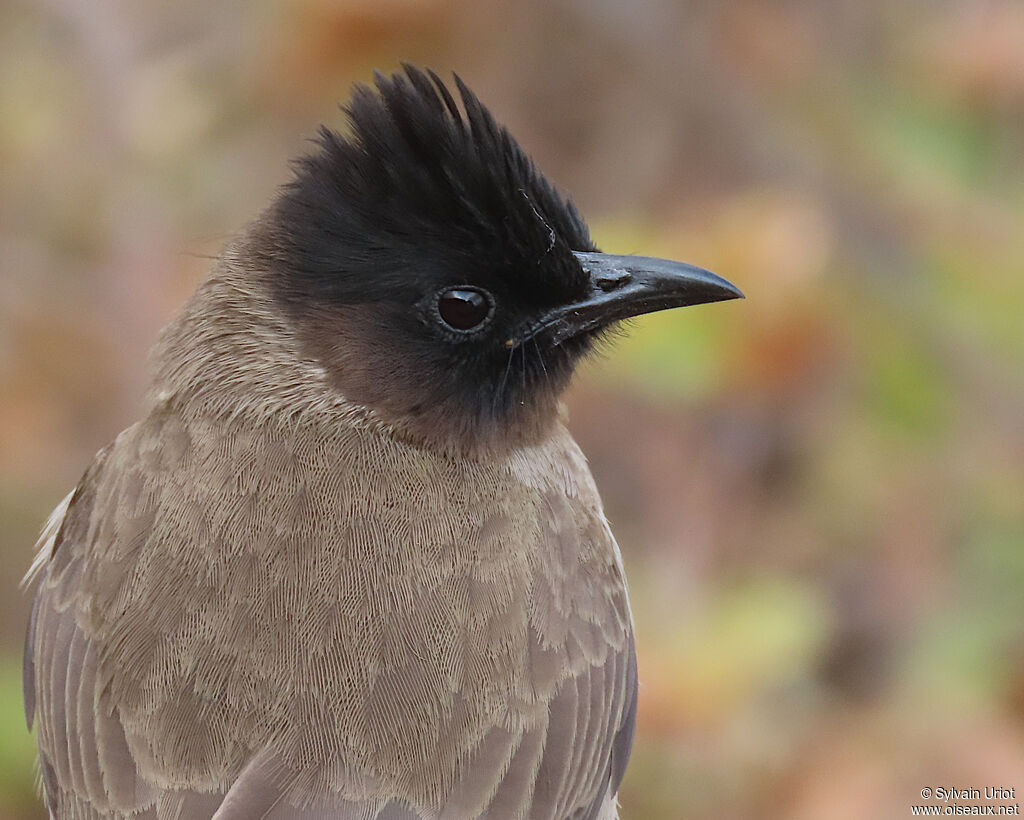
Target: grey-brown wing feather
x,y
569,766
588,741
87,768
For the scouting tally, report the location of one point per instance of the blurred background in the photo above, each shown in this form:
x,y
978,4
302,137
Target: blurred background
x,y
819,492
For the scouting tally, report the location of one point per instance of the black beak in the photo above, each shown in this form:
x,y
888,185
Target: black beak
x,y
624,286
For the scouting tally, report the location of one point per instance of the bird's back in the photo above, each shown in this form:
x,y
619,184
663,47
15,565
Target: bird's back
x,y
308,612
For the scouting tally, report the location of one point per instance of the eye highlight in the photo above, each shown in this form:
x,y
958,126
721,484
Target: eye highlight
x,y
464,309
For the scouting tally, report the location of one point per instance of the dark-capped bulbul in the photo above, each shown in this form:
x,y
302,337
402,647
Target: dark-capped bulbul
x,y
350,563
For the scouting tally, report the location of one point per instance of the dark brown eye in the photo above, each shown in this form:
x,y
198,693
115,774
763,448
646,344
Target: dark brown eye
x,y
463,309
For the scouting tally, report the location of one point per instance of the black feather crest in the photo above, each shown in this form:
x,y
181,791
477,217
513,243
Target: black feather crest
x,y
422,188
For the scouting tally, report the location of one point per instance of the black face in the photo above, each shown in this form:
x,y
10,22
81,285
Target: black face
x,y
430,231
437,275
451,336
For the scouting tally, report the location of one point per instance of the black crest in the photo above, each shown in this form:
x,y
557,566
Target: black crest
x,y
422,188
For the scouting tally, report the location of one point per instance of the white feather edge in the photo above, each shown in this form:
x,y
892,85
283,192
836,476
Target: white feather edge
x,y
44,546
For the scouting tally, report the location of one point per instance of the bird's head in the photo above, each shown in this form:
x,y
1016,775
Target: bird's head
x,y
437,277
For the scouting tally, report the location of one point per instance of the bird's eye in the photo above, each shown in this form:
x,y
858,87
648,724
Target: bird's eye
x,y
463,309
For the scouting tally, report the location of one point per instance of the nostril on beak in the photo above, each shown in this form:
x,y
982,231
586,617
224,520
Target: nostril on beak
x,y
612,280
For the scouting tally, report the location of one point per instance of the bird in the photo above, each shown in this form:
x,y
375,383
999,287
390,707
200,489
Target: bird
x,y
350,562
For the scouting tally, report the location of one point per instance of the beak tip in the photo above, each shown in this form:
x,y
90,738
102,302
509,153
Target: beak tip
x,y
721,290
